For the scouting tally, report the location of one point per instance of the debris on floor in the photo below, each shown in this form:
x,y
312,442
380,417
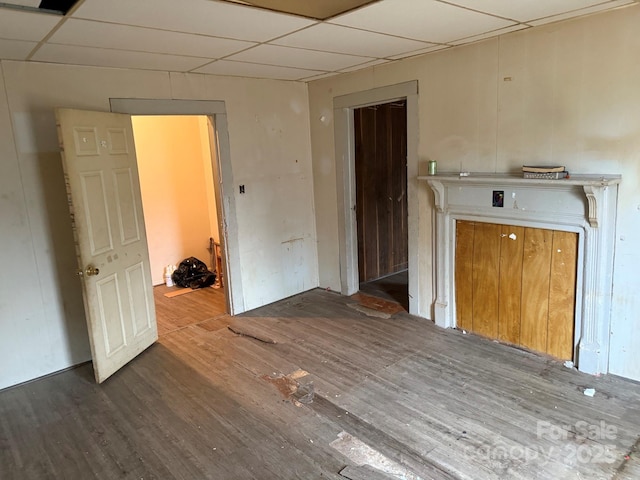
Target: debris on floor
x,y
568,364
376,303
362,454
245,331
364,472
589,392
256,328
370,312
291,389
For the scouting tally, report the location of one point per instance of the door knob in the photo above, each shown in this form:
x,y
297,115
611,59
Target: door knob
x,y
90,271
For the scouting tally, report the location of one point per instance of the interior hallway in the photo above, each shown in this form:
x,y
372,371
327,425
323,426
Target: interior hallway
x,y
206,403
202,305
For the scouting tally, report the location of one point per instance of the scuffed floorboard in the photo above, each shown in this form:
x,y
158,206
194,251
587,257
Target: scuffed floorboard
x,y
208,404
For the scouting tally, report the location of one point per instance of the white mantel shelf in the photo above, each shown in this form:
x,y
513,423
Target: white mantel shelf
x,y
584,204
593,186
515,179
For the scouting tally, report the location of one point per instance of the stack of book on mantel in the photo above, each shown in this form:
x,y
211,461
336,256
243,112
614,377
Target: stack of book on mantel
x,y
550,173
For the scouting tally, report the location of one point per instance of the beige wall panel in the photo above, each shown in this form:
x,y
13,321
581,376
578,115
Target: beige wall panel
x,y
570,98
270,153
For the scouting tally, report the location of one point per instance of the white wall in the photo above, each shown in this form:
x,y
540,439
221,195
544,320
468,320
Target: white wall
x,y
173,182
572,99
42,322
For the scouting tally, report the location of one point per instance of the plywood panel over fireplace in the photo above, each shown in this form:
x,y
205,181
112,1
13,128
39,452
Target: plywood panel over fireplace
x,y
585,205
517,285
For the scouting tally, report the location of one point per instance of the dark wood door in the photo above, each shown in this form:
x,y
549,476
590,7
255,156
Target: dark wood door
x,y
381,189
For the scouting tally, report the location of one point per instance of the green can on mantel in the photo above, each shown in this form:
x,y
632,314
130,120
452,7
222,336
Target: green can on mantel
x,y
433,167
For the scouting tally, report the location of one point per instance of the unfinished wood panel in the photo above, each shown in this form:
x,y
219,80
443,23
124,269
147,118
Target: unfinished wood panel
x,y
398,187
486,276
381,182
366,208
517,285
510,290
562,295
464,274
536,270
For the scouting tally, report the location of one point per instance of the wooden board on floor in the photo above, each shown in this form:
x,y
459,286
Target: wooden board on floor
x,y
177,291
364,472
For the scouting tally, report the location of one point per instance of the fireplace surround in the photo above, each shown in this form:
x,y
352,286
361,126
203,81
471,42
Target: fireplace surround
x,y
585,204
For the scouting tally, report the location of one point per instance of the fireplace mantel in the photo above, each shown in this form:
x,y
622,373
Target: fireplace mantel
x,y
585,204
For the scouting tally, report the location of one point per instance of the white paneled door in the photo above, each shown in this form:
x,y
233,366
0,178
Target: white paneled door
x,y
103,189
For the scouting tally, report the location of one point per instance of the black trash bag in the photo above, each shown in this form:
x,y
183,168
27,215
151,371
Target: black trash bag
x,y
193,273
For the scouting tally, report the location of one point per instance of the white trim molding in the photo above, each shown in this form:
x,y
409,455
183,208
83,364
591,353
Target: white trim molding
x,y
344,107
585,204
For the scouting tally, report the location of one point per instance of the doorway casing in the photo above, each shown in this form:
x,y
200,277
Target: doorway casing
x,y
343,114
222,177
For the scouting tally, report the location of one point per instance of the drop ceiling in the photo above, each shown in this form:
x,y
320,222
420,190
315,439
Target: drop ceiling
x,y
280,39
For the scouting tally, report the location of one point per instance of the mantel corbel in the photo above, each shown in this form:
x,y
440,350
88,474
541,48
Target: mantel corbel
x,y
438,190
594,198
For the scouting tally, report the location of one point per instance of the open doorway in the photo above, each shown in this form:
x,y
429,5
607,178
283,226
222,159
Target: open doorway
x,y
176,171
380,141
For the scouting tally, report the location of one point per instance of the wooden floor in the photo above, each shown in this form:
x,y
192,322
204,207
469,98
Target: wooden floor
x,y
393,287
174,313
337,388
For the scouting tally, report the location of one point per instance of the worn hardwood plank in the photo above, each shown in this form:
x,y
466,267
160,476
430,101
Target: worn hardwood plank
x,y
562,295
364,472
536,268
198,405
174,313
510,290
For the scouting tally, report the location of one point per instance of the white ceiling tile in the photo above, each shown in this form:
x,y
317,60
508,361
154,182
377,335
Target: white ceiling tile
x,y
318,77
495,33
298,58
584,11
522,10
420,52
108,35
335,38
364,65
100,57
24,3
15,49
205,17
242,69
426,20
25,25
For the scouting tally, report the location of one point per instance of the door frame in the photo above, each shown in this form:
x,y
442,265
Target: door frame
x,y
343,114
215,110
